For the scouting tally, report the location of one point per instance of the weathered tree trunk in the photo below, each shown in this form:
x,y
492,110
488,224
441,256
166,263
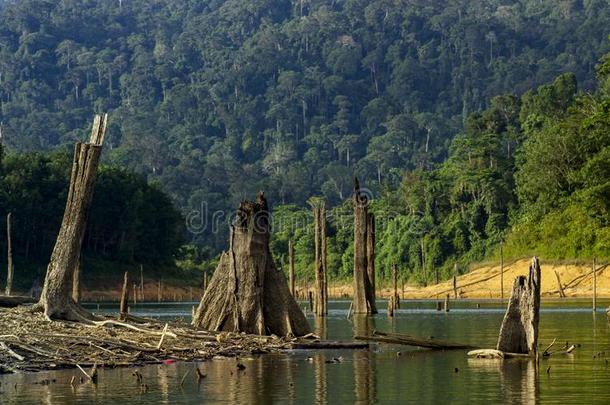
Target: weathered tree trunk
x,y
9,247
291,269
247,293
519,331
321,295
56,299
76,281
363,297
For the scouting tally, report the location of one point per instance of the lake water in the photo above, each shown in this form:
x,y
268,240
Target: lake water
x,y
384,374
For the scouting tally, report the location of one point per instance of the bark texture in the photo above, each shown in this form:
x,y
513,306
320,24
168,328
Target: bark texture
x,y
76,282
519,331
247,293
364,302
321,290
56,298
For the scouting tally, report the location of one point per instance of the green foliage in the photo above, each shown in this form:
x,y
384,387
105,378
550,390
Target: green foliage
x,y
130,221
216,100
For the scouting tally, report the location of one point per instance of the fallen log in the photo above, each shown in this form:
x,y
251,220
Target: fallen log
x,y
330,345
408,340
496,354
15,300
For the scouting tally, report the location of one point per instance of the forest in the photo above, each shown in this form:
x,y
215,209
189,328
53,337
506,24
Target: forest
x,y
471,123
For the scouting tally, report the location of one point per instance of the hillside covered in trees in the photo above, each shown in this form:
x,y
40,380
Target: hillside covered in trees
x,y
215,100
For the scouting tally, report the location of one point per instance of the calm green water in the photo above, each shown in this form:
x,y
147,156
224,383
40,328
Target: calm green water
x,y
385,374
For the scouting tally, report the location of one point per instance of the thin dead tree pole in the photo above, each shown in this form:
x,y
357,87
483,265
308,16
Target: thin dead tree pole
x,y
501,272
9,245
319,217
141,282
324,252
56,298
291,269
594,286
455,272
159,291
395,296
124,297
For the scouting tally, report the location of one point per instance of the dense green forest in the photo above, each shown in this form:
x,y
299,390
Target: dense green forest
x,y
531,172
215,100
130,221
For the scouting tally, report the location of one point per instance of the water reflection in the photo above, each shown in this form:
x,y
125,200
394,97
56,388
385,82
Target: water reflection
x,y
518,378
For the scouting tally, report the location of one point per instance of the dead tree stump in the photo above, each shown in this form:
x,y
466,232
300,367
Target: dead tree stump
x,y
247,293
364,302
124,297
370,252
321,288
519,331
56,298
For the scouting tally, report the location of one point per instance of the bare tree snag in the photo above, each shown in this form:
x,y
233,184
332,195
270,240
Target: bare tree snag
x,y
519,331
395,296
291,278
56,299
9,248
321,289
247,293
363,297
141,283
559,286
76,281
124,297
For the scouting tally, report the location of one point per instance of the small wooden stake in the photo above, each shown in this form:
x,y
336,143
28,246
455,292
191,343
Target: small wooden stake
x,y
9,245
455,273
395,297
447,303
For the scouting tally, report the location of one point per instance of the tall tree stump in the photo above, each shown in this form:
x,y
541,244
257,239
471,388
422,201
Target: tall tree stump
x,y
321,288
247,293
56,298
370,253
519,331
395,295
364,302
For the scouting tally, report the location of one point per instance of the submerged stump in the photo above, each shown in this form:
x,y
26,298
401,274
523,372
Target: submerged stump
x,y
519,331
247,293
364,297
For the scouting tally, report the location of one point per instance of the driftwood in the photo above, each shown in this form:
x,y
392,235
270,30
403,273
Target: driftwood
x,y
495,354
408,340
56,299
247,293
364,302
519,330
